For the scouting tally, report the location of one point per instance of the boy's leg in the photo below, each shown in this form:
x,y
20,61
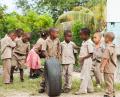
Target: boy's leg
x,y
42,84
14,65
21,66
64,69
21,75
109,82
84,83
6,70
69,76
98,75
90,88
31,72
11,73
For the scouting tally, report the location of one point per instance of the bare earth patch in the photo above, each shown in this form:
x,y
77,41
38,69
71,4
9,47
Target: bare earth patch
x,y
23,94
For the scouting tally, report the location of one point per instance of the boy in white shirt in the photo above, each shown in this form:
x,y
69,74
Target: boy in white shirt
x,y
68,59
86,53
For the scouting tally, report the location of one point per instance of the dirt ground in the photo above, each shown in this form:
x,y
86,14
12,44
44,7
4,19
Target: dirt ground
x,y
22,94
14,93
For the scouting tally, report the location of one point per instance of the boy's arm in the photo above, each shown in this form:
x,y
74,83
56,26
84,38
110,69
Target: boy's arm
x,y
75,46
59,50
90,51
88,56
45,48
103,64
11,44
28,49
104,60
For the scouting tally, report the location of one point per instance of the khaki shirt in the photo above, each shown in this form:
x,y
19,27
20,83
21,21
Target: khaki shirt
x,y
53,47
6,47
21,49
86,48
67,50
40,43
110,54
86,65
97,54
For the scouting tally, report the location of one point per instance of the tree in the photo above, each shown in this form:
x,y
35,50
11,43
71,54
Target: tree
x,y
2,20
30,22
53,7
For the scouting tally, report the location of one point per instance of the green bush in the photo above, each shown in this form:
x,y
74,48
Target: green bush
x,y
29,22
77,26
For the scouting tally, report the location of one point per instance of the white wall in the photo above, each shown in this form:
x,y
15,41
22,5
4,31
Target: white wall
x,y
113,10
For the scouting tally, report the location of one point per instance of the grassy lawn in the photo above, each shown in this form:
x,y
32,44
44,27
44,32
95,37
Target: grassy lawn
x,y
30,86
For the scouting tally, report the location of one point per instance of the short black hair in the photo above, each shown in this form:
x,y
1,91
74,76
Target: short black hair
x,y
44,33
86,31
53,30
11,31
66,32
19,30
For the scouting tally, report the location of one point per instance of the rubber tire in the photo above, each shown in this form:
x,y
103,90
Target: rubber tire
x,y
53,77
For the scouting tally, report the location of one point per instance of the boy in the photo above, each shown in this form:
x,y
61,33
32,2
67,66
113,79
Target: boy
x,y
108,64
37,52
97,57
68,59
86,53
53,44
7,44
19,33
19,55
52,50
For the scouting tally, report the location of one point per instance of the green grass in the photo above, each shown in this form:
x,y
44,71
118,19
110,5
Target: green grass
x,y
76,85
32,86
28,85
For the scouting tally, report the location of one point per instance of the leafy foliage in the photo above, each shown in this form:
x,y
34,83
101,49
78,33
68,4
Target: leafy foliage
x,y
77,26
30,22
75,20
53,7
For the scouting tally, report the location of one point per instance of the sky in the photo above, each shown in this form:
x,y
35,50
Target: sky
x,y
11,5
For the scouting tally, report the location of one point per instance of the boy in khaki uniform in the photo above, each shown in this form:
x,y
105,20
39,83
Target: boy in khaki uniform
x,y
86,53
68,59
19,33
97,57
20,53
53,44
7,44
39,48
108,64
52,50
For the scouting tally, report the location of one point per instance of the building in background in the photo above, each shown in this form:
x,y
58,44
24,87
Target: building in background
x,y
113,25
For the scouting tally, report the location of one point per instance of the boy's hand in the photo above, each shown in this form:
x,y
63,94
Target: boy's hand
x,y
82,59
101,69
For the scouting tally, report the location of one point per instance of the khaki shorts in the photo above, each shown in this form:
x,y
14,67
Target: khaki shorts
x,y
20,63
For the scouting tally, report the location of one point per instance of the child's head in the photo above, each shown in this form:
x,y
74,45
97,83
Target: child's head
x,y
53,33
109,37
85,33
26,37
12,35
68,35
19,32
44,34
97,37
